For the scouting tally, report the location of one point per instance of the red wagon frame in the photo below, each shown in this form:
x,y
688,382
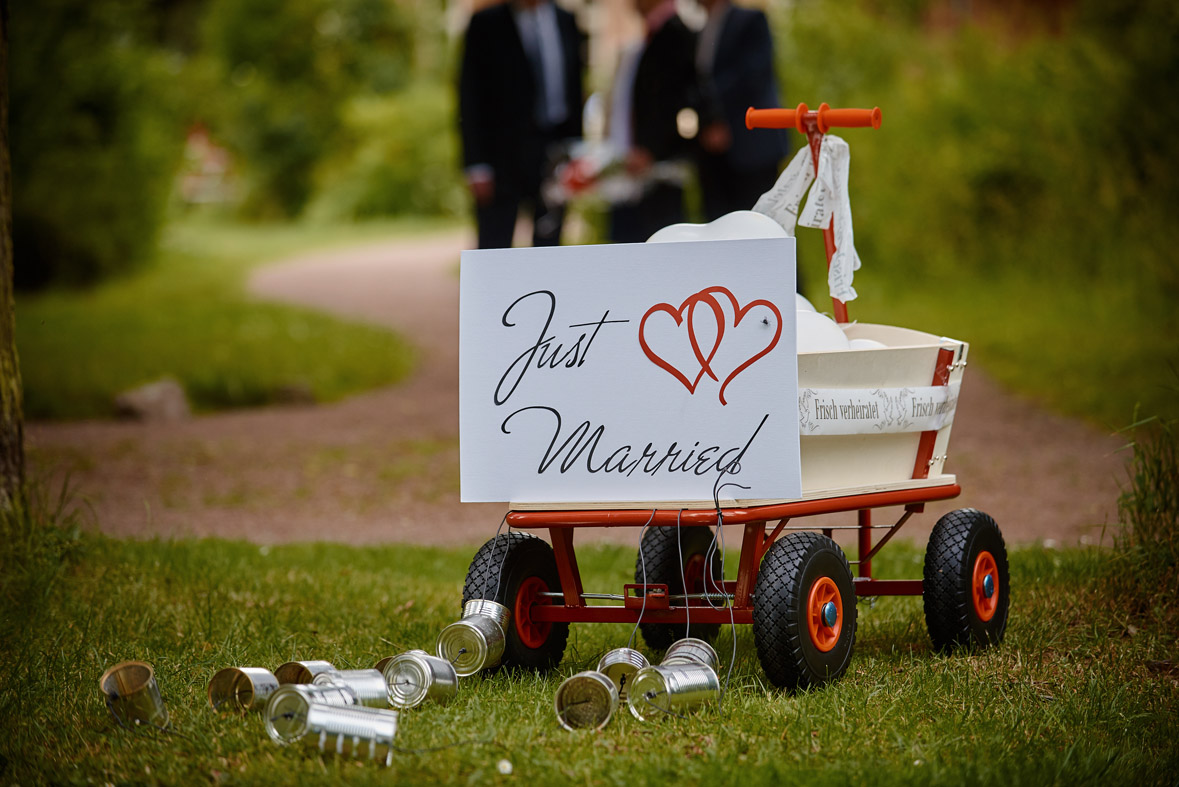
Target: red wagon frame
x,y
966,547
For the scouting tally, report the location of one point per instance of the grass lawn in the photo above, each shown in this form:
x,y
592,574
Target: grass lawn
x,y
187,316
1080,692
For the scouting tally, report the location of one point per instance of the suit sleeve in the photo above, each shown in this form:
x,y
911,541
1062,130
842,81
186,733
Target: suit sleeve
x,y
573,42
473,115
753,74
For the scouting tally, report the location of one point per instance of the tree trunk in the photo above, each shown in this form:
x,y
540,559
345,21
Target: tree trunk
x,y
12,450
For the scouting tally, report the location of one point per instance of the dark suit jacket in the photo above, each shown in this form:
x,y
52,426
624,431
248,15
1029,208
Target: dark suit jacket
x,y
743,76
497,96
665,82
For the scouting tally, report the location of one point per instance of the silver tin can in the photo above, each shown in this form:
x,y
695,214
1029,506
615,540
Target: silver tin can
x,y
350,731
288,706
380,665
586,700
415,676
672,690
620,666
241,688
367,684
690,649
476,642
133,695
302,671
488,608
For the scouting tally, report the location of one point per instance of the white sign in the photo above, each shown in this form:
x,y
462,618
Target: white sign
x,y
627,373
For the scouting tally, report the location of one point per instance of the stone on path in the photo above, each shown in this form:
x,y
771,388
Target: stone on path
x,y
162,400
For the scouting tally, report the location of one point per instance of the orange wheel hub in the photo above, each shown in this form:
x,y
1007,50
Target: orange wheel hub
x,y
984,587
824,614
532,634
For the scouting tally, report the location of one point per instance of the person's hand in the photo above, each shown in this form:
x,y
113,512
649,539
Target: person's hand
x,y
638,161
482,188
716,138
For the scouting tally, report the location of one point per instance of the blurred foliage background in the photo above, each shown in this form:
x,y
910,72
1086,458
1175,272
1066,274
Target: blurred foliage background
x,y
1024,174
340,101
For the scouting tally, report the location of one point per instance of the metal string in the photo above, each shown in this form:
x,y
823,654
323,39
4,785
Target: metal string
x,y
733,467
647,697
494,544
679,543
643,565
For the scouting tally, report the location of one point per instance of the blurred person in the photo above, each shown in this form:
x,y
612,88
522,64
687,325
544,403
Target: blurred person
x,y
656,82
520,94
735,67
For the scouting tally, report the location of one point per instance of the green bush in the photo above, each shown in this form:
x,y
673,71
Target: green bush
x,y
286,68
93,140
1024,173
399,160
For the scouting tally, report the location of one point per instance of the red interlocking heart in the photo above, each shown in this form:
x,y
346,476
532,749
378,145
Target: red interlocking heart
x,y
686,313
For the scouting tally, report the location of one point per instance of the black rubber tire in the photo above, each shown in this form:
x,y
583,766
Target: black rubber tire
x,y
784,647
526,556
661,551
954,545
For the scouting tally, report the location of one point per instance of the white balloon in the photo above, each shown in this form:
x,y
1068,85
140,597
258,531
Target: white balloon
x,y
802,304
731,226
865,344
818,333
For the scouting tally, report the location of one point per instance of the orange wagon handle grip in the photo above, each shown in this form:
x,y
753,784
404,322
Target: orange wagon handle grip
x,y
824,117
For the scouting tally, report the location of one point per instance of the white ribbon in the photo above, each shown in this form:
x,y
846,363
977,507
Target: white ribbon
x,y
781,202
843,411
830,198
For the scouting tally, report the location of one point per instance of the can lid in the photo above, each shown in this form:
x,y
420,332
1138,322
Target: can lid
x,y
585,701
286,715
648,696
464,646
620,666
409,679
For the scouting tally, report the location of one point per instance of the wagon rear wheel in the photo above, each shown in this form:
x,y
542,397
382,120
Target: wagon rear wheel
x,y
516,570
804,611
660,551
967,587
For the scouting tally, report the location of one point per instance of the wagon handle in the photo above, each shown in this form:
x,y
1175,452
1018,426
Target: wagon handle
x,y
814,123
824,117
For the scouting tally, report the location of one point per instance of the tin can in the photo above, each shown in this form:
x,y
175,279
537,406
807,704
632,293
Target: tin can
x,y
133,695
477,641
672,690
289,705
620,666
354,731
415,676
241,688
302,671
488,608
586,700
380,665
690,649
367,684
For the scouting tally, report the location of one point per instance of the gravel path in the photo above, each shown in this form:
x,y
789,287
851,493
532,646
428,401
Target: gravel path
x,y
383,466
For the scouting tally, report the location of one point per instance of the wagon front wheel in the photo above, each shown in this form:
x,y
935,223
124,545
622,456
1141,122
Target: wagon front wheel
x,y
967,587
517,570
804,611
